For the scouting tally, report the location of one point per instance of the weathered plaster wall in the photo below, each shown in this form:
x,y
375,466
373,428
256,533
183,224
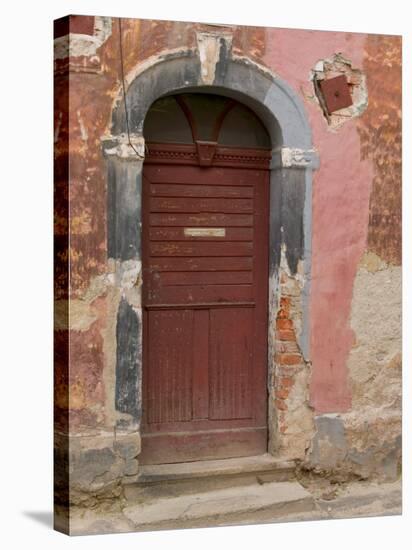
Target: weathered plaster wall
x,y
323,411
369,434
340,201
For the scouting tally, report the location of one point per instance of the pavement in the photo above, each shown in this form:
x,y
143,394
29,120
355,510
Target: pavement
x,y
259,502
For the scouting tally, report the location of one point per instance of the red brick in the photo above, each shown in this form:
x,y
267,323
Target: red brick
x,y
286,347
283,278
284,324
285,381
282,393
285,371
284,308
285,334
281,405
288,358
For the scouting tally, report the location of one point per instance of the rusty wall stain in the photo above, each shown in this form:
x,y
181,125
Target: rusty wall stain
x,y
380,132
145,38
86,392
89,112
250,42
79,391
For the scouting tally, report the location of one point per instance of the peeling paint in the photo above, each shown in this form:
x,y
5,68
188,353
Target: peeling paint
x,y
83,130
210,47
124,146
76,45
128,351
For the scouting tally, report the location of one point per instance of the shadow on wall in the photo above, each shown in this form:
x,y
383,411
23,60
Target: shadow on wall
x,y
44,518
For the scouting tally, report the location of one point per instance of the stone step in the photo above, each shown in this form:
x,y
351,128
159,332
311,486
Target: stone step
x,y
273,501
175,479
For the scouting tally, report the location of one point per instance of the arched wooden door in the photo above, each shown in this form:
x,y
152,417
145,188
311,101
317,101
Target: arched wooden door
x,y
205,276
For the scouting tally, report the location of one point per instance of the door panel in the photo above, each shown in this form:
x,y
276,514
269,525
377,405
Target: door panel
x,y
231,356
169,379
205,273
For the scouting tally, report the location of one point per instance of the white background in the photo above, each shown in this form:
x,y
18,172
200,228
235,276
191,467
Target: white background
x,y
26,269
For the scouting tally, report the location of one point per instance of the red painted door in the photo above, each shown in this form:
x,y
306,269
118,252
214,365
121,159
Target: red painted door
x,y
205,276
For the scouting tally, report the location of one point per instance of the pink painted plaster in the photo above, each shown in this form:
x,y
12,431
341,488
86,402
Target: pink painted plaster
x,y
341,191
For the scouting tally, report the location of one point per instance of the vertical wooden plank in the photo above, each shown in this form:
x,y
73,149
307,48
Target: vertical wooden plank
x,y
201,364
261,292
169,396
231,356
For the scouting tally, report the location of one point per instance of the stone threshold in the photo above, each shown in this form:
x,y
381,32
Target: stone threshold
x,y
221,506
255,465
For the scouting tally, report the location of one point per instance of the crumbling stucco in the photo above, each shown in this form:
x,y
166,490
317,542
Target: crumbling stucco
x,y
374,362
212,46
334,66
366,441
289,385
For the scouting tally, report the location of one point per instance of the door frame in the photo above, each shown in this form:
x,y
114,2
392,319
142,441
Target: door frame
x,y
292,163
156,444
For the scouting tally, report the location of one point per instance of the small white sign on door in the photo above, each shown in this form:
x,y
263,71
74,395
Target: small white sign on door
x,y
205,232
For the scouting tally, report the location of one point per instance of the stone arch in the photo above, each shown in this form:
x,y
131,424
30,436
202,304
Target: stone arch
x,y
273,100
293,160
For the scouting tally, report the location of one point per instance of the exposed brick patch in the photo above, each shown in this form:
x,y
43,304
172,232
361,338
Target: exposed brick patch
x,y
294,417
287,354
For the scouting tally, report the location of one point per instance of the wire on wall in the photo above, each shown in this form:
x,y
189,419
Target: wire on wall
x,y
124,89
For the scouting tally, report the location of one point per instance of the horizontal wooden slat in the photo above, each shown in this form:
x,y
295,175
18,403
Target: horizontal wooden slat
x,y
201,264
186,204
173,248
199,305
197,294
178,234
202,220
205,278
190,190
197,175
